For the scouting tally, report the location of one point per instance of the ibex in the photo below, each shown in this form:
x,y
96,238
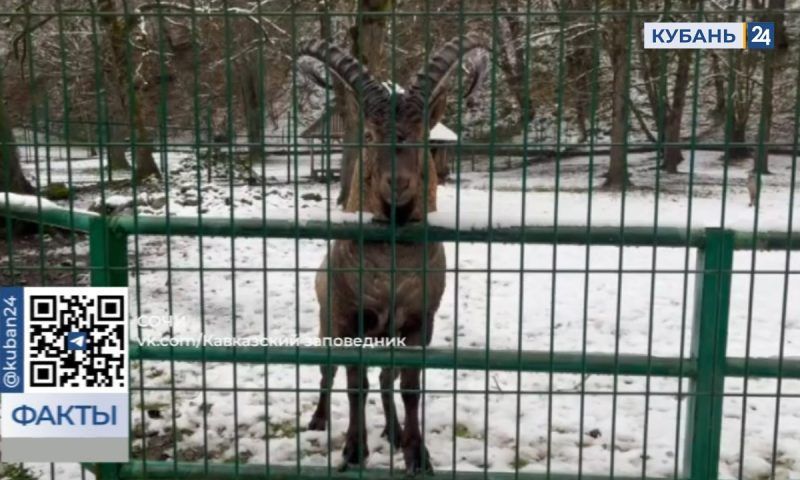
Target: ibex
x,y
361,304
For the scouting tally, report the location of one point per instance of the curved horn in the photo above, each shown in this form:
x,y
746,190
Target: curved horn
x,y
346,68
432,77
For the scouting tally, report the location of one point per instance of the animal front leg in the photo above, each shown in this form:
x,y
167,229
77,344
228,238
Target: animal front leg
x,y
319,420
392,429
414,451
355,446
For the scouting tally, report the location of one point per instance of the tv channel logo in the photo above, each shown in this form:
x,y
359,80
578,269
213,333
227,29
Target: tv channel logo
x,y
709,35
760,35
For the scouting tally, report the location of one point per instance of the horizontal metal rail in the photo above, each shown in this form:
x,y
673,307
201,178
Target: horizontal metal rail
x,y
642,236
185,470
39,210
470,359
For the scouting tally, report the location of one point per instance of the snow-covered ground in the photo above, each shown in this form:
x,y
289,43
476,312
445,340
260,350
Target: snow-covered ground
x,y
255,287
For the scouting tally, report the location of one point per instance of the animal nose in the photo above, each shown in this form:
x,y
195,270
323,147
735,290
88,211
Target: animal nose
x,y
401,183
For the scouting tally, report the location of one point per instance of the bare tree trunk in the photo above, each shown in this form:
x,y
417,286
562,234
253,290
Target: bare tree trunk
x,y
781,38
668,113
672,130
745,65
251,91
254,118
512,62
323,7
739,135
579,69
86,134
117,31
340,100
617,176
116,158
12,179
778,17
672,134
367,37
145,164
761,163
116,153
719,86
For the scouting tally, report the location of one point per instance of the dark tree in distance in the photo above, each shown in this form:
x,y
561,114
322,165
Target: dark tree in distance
x,y
617,37
367,37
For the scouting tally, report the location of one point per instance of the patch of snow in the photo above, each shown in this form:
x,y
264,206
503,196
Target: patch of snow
x,y
12,200
335,217
115,201
393,88
442,133
601,299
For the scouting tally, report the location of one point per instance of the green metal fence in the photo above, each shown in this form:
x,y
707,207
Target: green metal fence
x,y
707,366
144,77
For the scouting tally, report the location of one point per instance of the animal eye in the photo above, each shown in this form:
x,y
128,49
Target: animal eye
x,y
368,137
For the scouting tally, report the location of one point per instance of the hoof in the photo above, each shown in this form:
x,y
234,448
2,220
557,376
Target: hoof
x,y
345,466
317,423
417,462
350,464
394,439
350,456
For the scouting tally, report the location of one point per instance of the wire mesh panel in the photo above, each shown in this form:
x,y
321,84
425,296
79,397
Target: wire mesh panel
x,y
565,255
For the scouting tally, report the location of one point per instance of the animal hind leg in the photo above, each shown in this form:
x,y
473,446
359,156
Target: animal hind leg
x,y
392,429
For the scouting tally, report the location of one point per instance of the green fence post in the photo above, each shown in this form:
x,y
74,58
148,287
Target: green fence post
x,y
108,261
108,471
108,255
709,347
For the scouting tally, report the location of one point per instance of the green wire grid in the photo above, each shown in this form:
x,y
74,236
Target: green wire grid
x,y
116,241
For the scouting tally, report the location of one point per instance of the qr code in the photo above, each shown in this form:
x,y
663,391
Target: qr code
x,y
76,339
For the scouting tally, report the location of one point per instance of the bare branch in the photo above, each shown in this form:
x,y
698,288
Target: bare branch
x,y
640,118
249,14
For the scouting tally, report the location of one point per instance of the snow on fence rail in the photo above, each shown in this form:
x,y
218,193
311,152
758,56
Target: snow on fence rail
x,y
441,227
